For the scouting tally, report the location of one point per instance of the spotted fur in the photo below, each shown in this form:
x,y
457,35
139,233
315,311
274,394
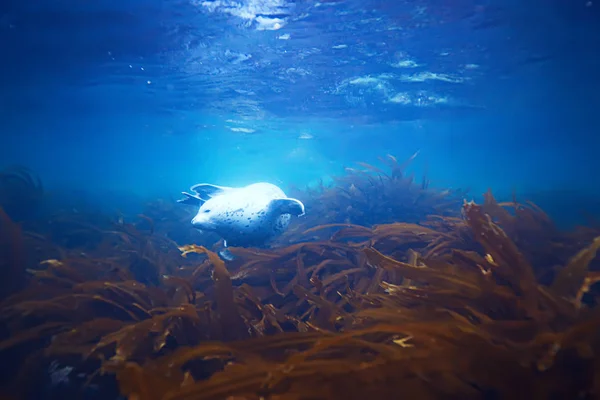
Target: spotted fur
x,y
244,217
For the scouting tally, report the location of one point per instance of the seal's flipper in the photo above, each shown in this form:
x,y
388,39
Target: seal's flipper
x,y
206,190
191,199
287,206
226,255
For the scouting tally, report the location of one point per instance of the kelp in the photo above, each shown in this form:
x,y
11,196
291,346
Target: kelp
x,y
422,303
371,195
433,349
21,192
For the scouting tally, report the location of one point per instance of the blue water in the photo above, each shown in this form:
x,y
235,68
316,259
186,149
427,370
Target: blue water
x,y
142,99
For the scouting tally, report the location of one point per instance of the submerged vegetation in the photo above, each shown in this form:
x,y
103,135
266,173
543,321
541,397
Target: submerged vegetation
x,y
386,288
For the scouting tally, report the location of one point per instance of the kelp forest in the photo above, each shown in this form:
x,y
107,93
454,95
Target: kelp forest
x,y
386,289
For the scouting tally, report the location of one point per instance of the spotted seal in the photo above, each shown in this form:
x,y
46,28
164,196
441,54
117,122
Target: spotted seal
x,y
244,217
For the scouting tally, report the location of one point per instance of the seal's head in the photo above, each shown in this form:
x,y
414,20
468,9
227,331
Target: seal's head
x,y
204,219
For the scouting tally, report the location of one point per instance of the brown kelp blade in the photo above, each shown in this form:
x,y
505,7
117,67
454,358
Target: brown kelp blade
x,y
232,325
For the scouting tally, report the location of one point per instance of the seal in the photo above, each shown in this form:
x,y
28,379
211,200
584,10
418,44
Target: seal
x,y
249,216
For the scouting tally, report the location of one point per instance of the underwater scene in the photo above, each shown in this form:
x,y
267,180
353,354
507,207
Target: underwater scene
x,y
289,199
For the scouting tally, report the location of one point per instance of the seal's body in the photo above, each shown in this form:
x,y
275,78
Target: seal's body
x,y
249,216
